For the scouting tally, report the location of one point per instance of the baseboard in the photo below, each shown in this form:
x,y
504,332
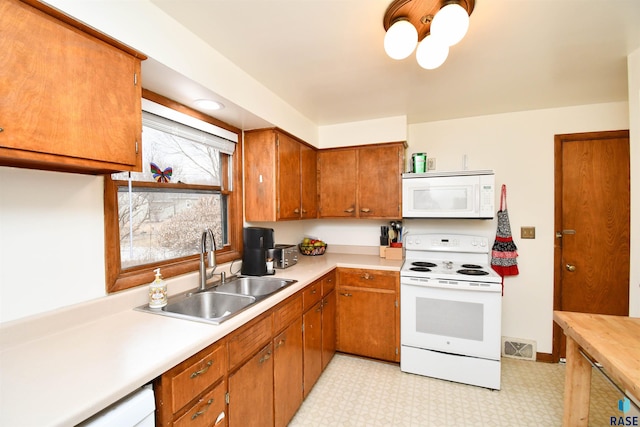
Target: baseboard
x,y
544,357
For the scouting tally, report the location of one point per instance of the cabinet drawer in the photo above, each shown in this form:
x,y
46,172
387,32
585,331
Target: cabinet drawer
x,y
207,410
286,313
248,340
194,379
378,279
311,295
328,282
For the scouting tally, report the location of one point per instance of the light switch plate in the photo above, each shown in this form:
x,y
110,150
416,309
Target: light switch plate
x,y
527,232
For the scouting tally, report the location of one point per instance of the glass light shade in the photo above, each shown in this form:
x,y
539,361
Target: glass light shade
x,y
401,39
208,104
450,24
431,53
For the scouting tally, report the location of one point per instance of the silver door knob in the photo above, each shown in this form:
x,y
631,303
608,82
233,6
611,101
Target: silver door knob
x,y
571,267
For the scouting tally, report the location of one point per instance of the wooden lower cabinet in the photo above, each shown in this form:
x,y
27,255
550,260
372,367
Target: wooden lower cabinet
x,y
194,389
251,391
328,328
312,337
259,374
287,373
319,331
368,313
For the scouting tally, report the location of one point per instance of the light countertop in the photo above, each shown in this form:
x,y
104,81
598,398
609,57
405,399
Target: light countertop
x,y
59,368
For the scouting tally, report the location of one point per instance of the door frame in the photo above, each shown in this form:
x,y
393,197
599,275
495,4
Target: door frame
x,y
557,241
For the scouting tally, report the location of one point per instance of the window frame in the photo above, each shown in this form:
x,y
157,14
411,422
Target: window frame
x,y
117,278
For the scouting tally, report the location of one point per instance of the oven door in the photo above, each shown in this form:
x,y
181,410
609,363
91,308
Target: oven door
x,y
458,321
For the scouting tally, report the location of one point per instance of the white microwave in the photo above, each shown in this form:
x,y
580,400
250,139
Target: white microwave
x,y
461,194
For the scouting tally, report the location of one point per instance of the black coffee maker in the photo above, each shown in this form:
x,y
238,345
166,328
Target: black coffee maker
x,y
257,242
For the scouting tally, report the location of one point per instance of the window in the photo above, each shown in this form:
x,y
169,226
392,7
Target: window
x,y
190,181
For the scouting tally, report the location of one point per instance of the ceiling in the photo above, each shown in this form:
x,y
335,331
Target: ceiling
x,y
325,57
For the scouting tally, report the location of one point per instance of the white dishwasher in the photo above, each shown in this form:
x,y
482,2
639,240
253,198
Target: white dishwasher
x,y
135,410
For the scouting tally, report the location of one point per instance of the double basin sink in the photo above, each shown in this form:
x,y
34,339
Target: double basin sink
x,y
220,303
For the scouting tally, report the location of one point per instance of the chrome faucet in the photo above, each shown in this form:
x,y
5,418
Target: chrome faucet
x,y
211,259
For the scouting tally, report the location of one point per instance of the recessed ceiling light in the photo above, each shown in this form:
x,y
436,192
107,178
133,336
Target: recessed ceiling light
x,y
208,104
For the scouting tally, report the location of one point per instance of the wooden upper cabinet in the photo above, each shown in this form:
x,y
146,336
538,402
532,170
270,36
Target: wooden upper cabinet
x,y
309,186
70,97
380,181
337,183
280,177
361,182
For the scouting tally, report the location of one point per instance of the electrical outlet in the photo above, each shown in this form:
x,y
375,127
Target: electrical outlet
x,y
431,163
527,232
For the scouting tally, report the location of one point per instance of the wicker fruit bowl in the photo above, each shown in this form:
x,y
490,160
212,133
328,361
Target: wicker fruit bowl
x,y
311,250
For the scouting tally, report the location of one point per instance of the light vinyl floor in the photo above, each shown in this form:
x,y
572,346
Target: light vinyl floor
x,y
354,391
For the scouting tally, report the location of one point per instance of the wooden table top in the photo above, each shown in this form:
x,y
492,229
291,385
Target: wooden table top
x,y
613,341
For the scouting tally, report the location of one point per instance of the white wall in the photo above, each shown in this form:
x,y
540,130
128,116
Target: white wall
x,y
52,241
389,129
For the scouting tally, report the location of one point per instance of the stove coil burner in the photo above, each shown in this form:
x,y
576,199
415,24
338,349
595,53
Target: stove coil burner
x,y
419,269
473,266
423,264
472,272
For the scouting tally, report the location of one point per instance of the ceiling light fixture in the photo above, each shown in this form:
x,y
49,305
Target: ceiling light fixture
x,y
208,104
432,25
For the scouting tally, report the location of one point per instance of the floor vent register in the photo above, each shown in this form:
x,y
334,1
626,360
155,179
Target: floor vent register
x,y
518,348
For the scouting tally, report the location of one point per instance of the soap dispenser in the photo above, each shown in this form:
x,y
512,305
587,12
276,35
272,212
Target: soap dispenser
x,y
157,291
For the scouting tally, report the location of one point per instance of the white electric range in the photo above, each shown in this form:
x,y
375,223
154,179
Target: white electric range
x,y
451,309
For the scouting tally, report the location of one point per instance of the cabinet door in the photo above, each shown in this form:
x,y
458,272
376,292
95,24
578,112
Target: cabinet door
x,y
71,100
309,176
251,391
366,322
288,177
337,183
312,336
380,181
287,373
260,175
328,328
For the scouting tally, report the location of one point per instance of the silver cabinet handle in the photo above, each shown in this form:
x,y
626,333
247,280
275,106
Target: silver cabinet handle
x,y
365,210
350,210
570,267
346,294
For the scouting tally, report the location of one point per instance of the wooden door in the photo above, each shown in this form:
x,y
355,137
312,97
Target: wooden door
x,y
380,181
328,328
287,373
312,338
366,322
592,216
288,177
309,185
337,183
251,391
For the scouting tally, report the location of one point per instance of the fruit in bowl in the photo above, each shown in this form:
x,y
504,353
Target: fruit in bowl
x,y
312,247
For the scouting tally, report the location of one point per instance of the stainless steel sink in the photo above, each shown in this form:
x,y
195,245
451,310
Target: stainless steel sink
x,y
220,303
254,286
210,306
